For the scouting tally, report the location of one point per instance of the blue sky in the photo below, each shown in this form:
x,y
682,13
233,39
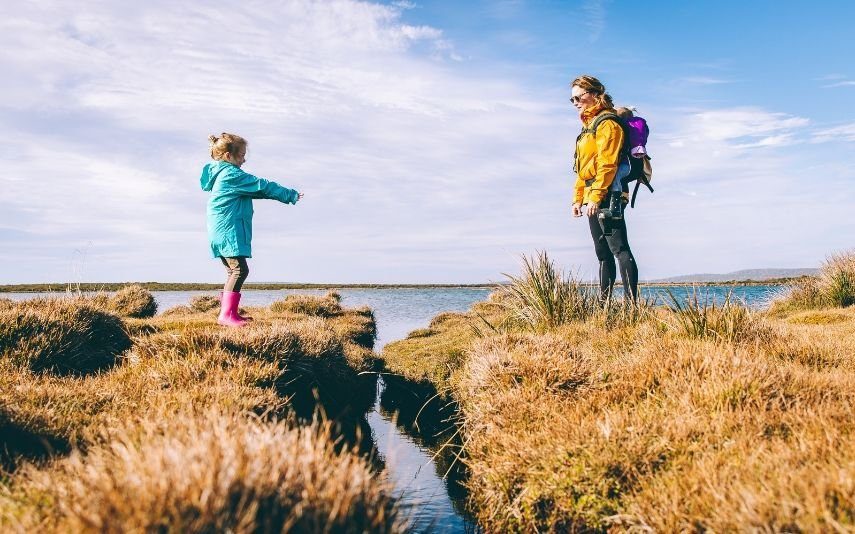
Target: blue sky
x,y
432,140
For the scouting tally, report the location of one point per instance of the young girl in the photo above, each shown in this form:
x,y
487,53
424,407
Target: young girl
x,y
230,215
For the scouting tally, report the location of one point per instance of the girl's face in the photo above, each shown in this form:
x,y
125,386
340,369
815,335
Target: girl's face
x,y
581,98
240,158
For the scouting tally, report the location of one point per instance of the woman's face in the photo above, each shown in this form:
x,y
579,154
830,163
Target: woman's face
x,y
581,98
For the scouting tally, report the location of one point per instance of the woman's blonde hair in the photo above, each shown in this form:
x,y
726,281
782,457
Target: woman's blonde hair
x,y
227,147
596,88
625,112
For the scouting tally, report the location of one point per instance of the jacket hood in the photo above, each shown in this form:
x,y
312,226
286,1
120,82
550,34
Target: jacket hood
x,y
210,173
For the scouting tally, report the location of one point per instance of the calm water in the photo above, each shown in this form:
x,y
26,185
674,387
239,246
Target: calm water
x,y
399,311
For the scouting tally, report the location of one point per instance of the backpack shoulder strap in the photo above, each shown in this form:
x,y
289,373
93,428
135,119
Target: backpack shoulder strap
x,y
603,117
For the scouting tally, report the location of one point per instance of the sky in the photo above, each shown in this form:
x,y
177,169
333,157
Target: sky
x,y
433,140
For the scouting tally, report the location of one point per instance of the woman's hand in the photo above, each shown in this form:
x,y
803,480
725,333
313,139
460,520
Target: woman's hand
x,y
577,209
299,196
592,209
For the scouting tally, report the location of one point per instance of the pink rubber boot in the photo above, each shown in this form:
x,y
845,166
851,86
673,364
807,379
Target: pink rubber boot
x,y
237,310
228,310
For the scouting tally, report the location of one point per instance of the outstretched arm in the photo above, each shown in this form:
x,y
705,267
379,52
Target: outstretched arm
x,y
252,186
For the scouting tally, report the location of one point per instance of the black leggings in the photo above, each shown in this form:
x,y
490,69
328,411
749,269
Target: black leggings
x,y
610,247
237,271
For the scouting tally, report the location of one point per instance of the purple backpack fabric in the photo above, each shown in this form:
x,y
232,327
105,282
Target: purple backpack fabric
x,y
638,132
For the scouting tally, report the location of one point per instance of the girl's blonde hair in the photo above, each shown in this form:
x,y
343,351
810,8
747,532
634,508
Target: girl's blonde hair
x,y
227,147
596,88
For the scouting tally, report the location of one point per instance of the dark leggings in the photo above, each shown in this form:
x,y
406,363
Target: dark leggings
x,y
237,270
610,247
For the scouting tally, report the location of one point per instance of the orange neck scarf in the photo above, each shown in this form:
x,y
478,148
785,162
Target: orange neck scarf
x,y
591,112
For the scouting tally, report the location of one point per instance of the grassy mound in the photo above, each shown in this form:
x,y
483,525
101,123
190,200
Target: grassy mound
x,y
204,303
432,356
134,301
326,306
212,471
62,336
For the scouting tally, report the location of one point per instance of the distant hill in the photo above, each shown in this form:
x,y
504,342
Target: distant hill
x,y
745,274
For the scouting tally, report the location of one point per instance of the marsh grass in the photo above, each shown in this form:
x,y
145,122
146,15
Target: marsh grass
x,y
133,301
176,366
204,303
61,336
212,470
667,434
433,356
326,306
695,416
837,280
834,286
544,297
699,316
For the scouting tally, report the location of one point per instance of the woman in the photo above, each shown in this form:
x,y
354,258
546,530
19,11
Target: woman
x,y
598,154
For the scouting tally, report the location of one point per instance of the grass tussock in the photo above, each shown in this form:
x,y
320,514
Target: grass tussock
x,y
833,287
204,303
699,316
133,301
433,356
544,297
328,305
61,335
209,471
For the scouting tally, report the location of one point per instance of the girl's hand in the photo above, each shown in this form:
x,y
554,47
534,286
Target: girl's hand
x,y
299,196
592,209
577,209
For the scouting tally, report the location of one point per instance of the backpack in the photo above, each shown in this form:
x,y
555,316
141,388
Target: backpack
x,y
634,163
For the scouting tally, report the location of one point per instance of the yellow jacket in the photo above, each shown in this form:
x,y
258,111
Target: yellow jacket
x,y
597,158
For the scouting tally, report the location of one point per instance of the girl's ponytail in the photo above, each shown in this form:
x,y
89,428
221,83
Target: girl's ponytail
x,y
227,146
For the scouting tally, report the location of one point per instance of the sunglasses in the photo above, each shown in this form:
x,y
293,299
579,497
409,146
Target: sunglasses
x,y
578,98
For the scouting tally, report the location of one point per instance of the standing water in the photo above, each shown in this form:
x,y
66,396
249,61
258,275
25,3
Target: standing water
x,y
410,464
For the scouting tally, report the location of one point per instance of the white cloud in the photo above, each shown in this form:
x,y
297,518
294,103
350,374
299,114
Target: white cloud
x,y
342,100
415,168
595,18
845,132
738,123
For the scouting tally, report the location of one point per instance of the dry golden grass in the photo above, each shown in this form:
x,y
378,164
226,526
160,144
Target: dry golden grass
x,y
63,336
212,470
205,303
725,420
434,355
834,286
186,364
668,433
133,301
189,359
326,306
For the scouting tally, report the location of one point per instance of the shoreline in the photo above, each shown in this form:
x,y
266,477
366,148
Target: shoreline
x,y
190,286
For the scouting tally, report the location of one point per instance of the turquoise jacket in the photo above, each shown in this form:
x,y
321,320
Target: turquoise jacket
x,y
230,206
